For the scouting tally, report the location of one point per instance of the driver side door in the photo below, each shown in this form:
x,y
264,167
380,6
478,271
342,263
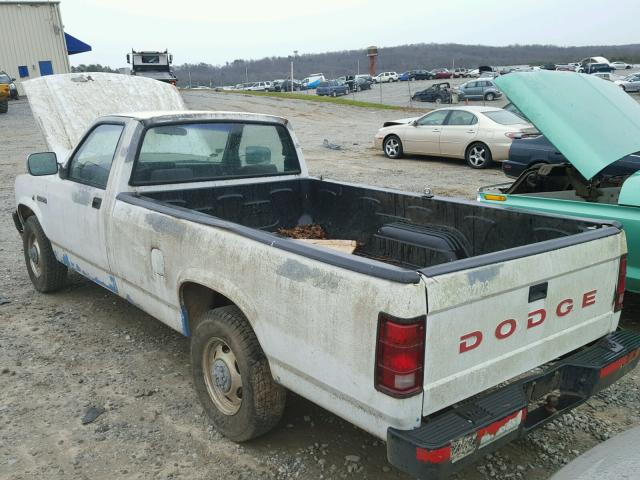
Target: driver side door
x,y
423,137
80,230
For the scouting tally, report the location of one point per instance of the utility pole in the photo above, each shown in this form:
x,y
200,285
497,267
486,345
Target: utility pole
x,y
246,74
358,66
189,78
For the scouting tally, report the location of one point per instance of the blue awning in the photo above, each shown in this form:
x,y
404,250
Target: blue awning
x,y
75,46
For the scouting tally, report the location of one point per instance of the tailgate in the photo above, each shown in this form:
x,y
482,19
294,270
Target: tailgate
x,y
489,324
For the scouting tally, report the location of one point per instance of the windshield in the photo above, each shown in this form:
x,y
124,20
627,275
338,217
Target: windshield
x,y
4,78
503,117
199,152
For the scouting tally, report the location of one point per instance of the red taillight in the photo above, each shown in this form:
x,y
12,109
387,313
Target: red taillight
x,y
400,355
622,279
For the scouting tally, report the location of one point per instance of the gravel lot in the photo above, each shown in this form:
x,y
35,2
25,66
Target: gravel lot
x,y
62,354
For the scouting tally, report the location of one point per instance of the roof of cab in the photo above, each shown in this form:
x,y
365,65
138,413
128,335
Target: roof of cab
x,y
187,115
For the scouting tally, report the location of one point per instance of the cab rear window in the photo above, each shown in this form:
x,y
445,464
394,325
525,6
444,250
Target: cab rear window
x,y
199,152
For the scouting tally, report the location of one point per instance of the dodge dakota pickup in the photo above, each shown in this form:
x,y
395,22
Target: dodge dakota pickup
x,y
451,328
593,124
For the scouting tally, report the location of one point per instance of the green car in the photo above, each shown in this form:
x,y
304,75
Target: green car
x,y
593,123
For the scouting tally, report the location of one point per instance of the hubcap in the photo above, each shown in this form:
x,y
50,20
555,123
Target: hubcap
x,y
477,156
392,147
33,250
222,376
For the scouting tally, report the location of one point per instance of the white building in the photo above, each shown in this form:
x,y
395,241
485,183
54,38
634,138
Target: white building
x,y
33,42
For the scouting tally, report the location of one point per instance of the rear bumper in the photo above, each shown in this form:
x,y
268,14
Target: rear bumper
x,y
449,441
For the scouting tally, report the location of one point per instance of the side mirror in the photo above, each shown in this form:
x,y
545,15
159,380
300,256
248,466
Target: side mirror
x,y
13,79
45,163
414,123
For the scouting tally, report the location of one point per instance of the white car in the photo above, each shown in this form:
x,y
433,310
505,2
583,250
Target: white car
x,y
480,135
386,77
630,83
259,87
620,65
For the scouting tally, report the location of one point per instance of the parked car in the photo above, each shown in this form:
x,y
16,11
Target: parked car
x,y
516,323
312,81
5,94
460,73
590,143
630,83
534,150
480,135
481,89
386,77
620,65
7,80
259,87
332,88
595,67
405,76
362,83
275,85
474,73
286,86
440,73
436,93
565,67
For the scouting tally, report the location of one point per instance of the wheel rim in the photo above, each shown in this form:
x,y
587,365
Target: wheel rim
x,y
33,250
477,156
438,100
392,147
490,97
222,376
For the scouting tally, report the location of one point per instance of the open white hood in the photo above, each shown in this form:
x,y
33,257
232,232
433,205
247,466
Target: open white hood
x,y
65,106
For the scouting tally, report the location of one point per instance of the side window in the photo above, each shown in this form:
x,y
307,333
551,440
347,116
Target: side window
x,y
92,161
472,85
460,117
434,118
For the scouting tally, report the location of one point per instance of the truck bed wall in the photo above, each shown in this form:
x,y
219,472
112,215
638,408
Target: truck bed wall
x,y
357,213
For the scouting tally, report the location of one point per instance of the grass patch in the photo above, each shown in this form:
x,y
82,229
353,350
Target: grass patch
x,y
344,100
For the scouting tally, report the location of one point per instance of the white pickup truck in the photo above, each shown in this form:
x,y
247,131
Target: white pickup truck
x,y
425,335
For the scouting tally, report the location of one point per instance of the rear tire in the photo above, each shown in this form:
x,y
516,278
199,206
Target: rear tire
x,y
232,376
4,106
45,272
478,156
392,147
333,93
490,97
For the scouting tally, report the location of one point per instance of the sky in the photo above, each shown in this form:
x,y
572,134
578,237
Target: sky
x,y
217,31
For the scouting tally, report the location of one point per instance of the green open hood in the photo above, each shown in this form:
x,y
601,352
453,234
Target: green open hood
x,y
591,121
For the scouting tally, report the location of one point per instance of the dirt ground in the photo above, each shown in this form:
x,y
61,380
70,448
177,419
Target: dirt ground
x,y
83,347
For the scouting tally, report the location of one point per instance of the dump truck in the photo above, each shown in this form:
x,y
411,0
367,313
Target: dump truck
x,y
152,64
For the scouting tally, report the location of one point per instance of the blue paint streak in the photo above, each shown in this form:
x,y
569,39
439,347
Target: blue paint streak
x,y
112,285
185,321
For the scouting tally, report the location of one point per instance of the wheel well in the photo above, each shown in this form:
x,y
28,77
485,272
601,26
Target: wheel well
x,y
24,212
197,299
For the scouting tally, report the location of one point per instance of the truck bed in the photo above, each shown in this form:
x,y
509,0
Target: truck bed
x,y
409,232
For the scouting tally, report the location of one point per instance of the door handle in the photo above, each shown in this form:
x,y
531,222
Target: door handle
x,y
471,131
435,130
96,203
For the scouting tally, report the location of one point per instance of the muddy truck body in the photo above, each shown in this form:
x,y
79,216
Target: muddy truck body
x,y
152,64
451,328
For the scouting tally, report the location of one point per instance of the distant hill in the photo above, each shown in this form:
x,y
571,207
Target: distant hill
x,y
400,58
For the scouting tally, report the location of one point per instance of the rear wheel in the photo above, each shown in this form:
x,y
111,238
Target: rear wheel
x,y
232,376
438,100
392,146
45,272
478,155
4,106
490,97
333,93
